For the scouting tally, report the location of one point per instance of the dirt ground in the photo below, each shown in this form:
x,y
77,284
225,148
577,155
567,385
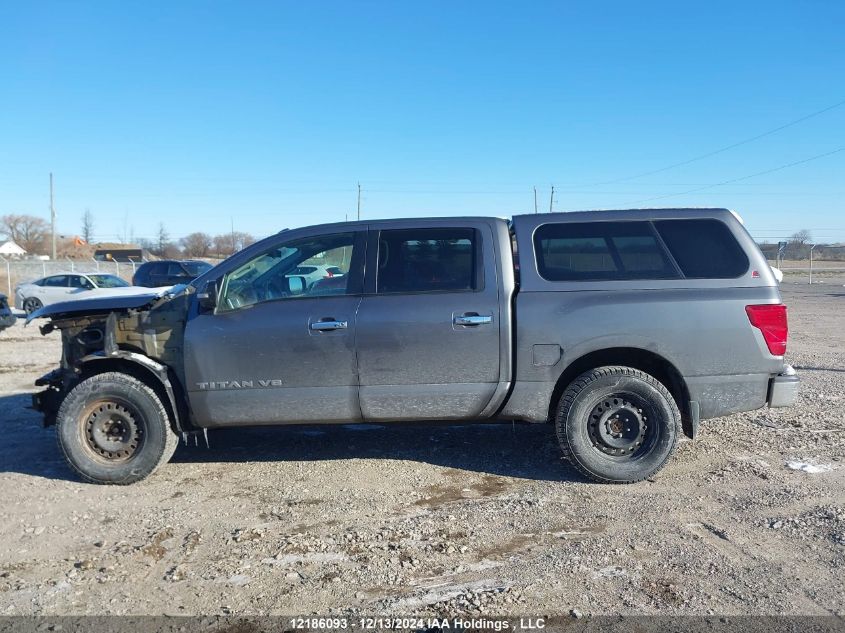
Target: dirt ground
x,y
475,519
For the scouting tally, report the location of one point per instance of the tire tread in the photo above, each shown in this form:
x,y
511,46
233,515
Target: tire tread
x,y
171,441
585,380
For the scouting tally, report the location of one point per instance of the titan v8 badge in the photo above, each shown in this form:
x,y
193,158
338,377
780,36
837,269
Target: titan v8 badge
x,y
239,384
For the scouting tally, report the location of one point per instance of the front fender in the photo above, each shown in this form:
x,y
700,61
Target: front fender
x,y
150,368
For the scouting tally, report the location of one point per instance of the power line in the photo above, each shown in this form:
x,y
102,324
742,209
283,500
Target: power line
x,y
726,148
733,180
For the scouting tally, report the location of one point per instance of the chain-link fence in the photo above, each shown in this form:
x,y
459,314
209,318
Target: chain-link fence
x,y
806,260
17,271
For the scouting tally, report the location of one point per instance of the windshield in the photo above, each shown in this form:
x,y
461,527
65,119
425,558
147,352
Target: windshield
x,y
108,281
196,269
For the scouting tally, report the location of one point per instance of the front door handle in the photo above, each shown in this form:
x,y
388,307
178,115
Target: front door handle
x,y
328,325
472,319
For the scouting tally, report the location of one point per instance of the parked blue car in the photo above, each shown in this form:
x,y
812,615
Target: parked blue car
x,y
7,317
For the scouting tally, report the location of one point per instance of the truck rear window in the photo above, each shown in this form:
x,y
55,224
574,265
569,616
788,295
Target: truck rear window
x,y
601,251
427,260
703,249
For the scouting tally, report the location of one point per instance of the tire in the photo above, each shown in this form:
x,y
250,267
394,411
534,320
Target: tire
x,y
113,429
31,304
617,424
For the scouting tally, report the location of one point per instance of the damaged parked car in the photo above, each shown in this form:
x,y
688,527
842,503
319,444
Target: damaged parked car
x,y
624,329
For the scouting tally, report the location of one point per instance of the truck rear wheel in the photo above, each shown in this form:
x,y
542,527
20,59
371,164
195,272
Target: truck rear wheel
x,y
617,424
113,429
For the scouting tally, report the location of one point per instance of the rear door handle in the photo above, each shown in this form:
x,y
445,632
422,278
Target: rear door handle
x,y
328,325
472,319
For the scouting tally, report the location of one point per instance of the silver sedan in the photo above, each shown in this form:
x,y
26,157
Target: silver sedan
x,y
68,287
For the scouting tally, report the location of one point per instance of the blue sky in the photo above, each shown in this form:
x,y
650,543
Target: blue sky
x,y
266,115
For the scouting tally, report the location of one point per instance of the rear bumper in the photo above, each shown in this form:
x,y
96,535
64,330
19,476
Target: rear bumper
x,y
783,388
728,394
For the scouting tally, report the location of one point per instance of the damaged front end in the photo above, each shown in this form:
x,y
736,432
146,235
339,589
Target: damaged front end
x,y
140,335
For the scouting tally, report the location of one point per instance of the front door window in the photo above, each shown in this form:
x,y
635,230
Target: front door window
x,y
310,267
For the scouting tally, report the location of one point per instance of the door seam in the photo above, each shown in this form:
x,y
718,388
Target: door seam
x,y
357,368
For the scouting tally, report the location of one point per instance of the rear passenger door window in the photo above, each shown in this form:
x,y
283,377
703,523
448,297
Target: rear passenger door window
x,y
175,270
601,251
427,260
157,274
56,281
78,282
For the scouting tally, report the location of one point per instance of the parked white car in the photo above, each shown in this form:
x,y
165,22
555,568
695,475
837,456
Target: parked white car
x,y
312,273
31,296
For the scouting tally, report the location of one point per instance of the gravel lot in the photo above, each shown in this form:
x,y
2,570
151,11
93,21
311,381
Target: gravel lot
x,y
424,519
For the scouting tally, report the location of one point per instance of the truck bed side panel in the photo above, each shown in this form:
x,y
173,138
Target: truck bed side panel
x,y
705,334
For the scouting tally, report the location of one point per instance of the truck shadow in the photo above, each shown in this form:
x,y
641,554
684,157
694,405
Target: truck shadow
x,y
805,368
521,450
527,451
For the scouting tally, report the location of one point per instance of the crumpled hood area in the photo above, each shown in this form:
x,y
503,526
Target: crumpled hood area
x,y
115,300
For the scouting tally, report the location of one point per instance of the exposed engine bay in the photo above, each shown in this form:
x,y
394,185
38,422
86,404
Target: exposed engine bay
x,y
143,336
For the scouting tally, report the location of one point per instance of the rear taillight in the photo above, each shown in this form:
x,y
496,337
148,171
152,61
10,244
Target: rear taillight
x,y
770,319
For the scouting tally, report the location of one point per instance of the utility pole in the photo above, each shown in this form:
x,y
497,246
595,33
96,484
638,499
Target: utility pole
x,y
232,220
812,246
552,199
359,200
535,199
52,217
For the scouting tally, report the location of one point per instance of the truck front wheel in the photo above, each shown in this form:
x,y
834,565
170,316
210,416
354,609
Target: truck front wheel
x,y
617,424
113,429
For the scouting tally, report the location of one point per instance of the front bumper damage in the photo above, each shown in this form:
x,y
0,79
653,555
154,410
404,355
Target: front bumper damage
x,y
48,401
783,388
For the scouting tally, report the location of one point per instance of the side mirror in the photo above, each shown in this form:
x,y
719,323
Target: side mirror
x,y
296,285
207,296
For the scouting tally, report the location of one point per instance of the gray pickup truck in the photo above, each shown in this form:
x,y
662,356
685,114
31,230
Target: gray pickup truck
x,y
623,328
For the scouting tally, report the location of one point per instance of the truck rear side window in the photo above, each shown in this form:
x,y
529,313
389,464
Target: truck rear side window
x,y
703,249
600,251
427,260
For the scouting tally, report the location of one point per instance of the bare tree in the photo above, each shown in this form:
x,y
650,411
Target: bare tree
x,y
228,243
27,231
87,226
222,245
798,247
171,251
196,244
163,240
801,238
242,240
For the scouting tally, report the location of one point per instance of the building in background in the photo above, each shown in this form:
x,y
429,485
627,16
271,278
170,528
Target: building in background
x,y
108,252
11,250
